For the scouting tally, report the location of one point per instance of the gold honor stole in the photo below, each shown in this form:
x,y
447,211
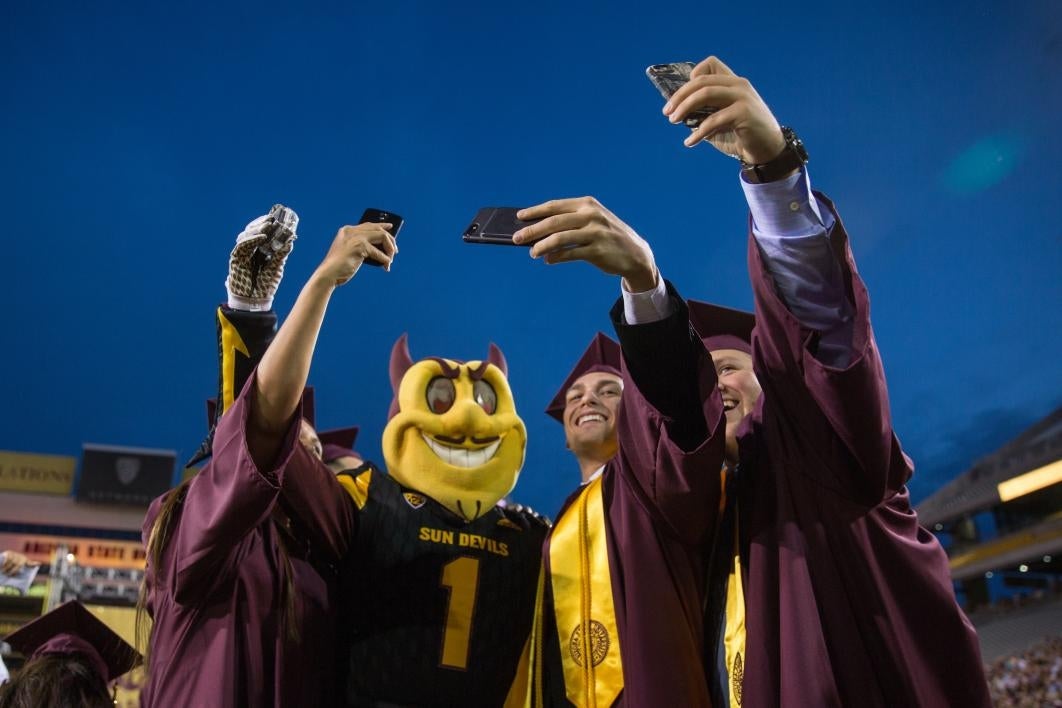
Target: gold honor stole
x,y
582,602
734,637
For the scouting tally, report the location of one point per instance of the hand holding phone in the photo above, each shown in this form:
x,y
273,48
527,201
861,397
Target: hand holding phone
x,y
742,126
496,226
668,78
582,229
378,216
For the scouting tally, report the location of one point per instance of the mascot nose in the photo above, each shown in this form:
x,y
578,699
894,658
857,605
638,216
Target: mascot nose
x,y
465,419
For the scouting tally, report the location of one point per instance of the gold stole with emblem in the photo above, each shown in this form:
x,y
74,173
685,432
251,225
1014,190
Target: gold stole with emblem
x,y
734,636
582,602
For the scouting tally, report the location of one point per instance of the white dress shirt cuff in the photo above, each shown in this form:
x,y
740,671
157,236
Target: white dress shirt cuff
x,y
651,306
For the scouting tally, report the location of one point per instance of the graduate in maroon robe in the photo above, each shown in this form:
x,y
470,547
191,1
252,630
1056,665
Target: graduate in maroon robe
x,y
242,569
71,658
241,597
825,590
621,621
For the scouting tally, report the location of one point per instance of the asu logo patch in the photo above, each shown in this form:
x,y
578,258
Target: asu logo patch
x,y
599,643
414,500
127,469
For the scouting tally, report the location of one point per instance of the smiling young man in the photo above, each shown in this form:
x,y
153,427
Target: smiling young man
x,y
591,406
824,589
621,620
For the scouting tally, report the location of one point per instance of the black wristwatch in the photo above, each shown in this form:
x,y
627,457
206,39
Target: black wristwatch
x,y
793,156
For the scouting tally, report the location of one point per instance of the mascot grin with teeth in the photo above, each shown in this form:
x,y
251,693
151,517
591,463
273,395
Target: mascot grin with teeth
x,y
439,583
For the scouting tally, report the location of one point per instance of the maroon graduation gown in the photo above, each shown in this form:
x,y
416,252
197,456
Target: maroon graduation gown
x,y
848,600
216,597
655,495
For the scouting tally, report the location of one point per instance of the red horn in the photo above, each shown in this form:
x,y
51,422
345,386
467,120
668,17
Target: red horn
x,y
400,361
498,359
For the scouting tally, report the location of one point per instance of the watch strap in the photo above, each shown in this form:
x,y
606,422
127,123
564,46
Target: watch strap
x,y
793,157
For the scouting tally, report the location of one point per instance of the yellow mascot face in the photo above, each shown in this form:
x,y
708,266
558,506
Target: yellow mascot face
x,y
455,435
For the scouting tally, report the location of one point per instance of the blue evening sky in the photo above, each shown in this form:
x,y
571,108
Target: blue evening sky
x,y
138,138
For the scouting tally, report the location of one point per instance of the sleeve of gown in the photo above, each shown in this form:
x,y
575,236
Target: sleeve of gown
x,y
839,415
226,500
243,338
312,494
793,231
671,431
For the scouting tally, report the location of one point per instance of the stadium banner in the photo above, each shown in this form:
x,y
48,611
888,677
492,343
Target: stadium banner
x,y
98,553
36,474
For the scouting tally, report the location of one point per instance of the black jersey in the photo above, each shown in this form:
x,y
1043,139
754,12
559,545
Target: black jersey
x,y
437,610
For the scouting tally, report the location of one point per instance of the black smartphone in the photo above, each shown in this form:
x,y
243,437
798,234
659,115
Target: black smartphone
x,y
668,78
378,216
496,225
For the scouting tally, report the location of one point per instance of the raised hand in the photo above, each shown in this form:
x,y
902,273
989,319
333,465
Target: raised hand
x,y
352,245
741,126
581,229
12,562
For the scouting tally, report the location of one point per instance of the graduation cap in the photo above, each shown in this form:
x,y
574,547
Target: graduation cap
x,y
335,443
72,629
722,327
603,354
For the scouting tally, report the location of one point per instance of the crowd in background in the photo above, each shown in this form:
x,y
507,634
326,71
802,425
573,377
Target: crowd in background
x,y
1031,678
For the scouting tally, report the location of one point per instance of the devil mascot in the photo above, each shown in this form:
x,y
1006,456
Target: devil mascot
x,y
440,579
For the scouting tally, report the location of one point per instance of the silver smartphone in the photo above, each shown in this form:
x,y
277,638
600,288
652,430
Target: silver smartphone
x,y
668,78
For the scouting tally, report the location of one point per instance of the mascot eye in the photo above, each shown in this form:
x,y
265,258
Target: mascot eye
x,y
485,396
440,394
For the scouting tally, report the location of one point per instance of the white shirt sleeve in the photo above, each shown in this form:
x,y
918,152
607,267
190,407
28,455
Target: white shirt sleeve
x,y
651,306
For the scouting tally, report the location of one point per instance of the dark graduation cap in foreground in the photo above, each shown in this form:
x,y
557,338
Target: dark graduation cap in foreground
x,y
335,443
72,629
603,354
722,327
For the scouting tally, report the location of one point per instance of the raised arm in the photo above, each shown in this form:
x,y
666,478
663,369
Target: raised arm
x,y
814,350
670,430
224,502
285,366
790,225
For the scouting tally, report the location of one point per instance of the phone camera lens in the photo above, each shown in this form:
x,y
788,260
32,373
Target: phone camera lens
x,y
473,228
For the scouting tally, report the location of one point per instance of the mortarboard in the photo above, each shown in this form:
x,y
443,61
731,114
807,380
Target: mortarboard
x,y
72,629
335,443
603,354
722,327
